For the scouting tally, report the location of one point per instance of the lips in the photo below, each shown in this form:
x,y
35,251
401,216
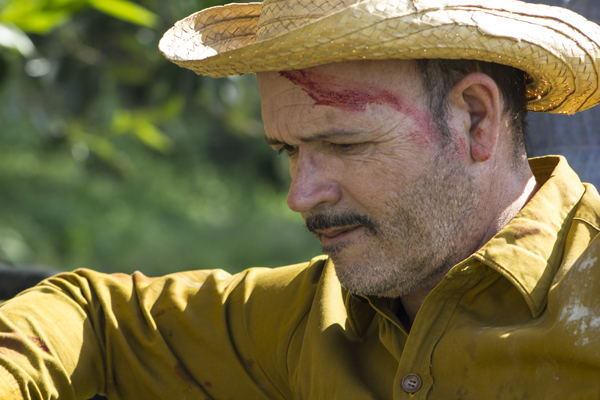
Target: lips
x,y
336,233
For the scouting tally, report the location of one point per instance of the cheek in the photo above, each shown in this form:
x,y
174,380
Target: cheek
x,y
423,138
425,133
376,177
390,159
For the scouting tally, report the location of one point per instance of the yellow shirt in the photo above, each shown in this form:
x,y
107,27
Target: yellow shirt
x,y
519,319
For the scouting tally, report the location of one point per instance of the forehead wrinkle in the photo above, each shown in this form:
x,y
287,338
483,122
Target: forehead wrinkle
x,y
320,136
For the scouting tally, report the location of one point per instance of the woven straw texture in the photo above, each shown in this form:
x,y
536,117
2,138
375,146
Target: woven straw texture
x,y
559,49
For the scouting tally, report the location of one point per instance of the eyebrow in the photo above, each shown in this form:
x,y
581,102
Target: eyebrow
x,y
325,135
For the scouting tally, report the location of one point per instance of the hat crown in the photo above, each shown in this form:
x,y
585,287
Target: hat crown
x,y
279,16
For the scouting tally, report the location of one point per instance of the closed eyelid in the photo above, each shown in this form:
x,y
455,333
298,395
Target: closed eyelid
x,y
332,135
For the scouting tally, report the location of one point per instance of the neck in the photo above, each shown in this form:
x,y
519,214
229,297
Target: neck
x,y
509,203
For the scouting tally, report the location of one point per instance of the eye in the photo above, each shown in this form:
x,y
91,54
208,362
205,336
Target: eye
x,y
288,149
348,147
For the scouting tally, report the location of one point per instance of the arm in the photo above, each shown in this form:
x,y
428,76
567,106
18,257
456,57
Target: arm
x,y
192,334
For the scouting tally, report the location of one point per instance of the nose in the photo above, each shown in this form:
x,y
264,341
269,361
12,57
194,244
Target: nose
x,y
312,182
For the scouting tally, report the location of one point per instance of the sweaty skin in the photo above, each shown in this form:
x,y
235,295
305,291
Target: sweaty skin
x,y
393,207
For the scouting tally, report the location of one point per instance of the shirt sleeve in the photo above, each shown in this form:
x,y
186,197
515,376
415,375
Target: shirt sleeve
x,y
198,334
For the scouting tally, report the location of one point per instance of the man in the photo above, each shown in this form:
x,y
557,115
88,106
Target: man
x,y
455,268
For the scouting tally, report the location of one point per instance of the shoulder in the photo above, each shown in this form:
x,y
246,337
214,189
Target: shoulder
x,y
573,300
279,288
265,288
274,289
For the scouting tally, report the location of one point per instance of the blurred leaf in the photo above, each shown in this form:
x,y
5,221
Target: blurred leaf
x,y
127,11
65,3
20,9
14,38
121,122
39,16
141,126
152,136
101,146
41,22
172,108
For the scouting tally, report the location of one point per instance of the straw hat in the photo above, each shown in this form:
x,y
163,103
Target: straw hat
x,y
559,49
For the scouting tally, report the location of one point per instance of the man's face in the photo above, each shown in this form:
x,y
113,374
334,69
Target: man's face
x,y
370,176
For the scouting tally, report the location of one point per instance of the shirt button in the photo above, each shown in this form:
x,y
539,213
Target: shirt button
x,y
411,383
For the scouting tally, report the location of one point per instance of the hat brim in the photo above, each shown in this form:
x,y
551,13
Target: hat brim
x,y
556,47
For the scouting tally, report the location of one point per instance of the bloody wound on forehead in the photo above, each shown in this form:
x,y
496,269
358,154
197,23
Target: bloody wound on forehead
x,y
328,90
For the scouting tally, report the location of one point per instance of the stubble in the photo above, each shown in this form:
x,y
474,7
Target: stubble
x,y
422,236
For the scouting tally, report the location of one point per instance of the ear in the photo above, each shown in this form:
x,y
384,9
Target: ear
x,y
478,97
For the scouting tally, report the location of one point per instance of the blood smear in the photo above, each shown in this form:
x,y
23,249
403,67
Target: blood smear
x,y
327,90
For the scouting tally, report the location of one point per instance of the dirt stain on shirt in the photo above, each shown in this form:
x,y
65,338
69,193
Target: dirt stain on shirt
x,y
183,374
520,231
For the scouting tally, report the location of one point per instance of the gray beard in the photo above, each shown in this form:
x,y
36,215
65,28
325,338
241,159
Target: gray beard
x,y
426,234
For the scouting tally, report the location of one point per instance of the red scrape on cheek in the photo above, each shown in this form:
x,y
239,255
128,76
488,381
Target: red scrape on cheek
x,y
326,90
422,138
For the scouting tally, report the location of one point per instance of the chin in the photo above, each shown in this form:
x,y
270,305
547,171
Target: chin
x,y
365,278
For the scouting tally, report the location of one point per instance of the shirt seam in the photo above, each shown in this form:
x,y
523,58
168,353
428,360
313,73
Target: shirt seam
x,y
265,374
243,277
437,341
590,223
12,382
273,385
350,315
326,259
287,351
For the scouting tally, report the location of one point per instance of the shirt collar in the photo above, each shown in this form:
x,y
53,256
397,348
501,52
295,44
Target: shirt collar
x,y
529,249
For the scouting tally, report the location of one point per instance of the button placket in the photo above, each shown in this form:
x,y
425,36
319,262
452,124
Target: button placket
x,y
428,328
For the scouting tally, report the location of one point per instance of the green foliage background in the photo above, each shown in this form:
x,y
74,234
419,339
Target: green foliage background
x,y
113,158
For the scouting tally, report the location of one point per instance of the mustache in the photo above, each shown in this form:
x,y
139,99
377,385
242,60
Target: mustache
x,y
324,221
